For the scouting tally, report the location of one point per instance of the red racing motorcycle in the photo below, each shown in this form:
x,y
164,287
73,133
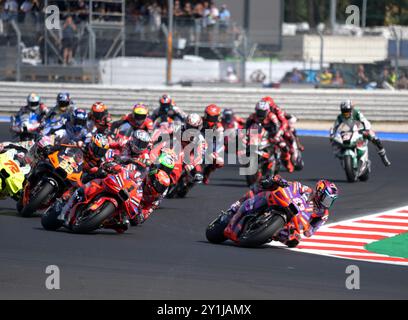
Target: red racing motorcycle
x,y
105,203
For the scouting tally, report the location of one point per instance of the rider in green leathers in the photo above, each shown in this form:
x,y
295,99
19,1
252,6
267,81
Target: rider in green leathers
x,y
349,112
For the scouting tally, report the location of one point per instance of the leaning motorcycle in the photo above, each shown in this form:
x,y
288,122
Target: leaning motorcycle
x,y
353,150
108,201
49,179
261,227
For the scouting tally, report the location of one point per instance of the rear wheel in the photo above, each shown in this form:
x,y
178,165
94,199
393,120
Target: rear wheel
x,y
348,167
215,230
39,195
88,221
260,230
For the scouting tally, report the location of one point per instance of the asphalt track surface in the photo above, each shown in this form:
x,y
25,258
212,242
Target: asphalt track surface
x,y
169,258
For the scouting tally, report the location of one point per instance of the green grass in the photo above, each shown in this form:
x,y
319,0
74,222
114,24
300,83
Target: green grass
x,y
396,246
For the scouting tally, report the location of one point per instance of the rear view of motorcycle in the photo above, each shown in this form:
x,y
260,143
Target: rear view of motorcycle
x,y
352,150
49,179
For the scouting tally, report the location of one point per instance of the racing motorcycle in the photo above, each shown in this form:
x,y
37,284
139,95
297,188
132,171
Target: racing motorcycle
x,y
297,158
53,124
25,127
12,174
51,176
261,227
353,150
268,154
106,202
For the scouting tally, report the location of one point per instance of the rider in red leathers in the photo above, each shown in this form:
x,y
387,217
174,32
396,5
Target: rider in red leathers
x,y
271,123
167,109
99,119
230,120
212,122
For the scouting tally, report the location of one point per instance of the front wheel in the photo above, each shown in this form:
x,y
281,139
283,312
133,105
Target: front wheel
x,y
215,230
348,167
49,220
88,221
38,198
260,230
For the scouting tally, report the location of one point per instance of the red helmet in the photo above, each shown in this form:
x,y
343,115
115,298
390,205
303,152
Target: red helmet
x,y
158,181
166,104
212,114
269,100
99,112
139,114
326,193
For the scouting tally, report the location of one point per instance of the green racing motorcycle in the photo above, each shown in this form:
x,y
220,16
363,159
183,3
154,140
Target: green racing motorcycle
x,y
353,150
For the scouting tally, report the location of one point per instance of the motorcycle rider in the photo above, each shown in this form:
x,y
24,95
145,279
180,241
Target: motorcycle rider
x,y
349,112
272,125
136,154
260,197
194,122
34,105
136,120
167,109
155,187
99,119
286,129
230,120
212,122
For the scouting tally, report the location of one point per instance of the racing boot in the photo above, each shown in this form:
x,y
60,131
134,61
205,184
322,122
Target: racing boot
x,y
383,157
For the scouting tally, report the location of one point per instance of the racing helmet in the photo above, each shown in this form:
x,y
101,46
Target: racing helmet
x,y
139,114
166,104
63,101
346,108
325,194
98,146
194,121
33,101
139,142
159,181
228,115
78,119
99,112
262,109
212,114
166,161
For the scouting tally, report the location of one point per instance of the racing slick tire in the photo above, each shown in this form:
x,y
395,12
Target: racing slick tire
x,y
365,175
262,232
36,200
215,230
50,221
348,167
94,221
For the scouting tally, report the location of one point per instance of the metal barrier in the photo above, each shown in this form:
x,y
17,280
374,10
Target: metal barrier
x,y
306,104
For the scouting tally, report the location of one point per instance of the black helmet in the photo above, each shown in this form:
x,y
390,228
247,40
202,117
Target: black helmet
x,y
63,101
346,107
227,115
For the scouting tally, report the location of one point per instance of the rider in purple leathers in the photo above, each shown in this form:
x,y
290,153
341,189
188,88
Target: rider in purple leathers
x,y
313,207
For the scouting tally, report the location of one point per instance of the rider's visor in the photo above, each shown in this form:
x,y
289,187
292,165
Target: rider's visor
x,y
99,115
261,114
139,118
212,119
228,118
158,186
347,114
328,199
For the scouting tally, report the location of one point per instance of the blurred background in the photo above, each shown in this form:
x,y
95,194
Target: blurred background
x,y
232,43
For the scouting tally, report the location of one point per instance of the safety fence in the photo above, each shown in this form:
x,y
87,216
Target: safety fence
x,y
306,104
